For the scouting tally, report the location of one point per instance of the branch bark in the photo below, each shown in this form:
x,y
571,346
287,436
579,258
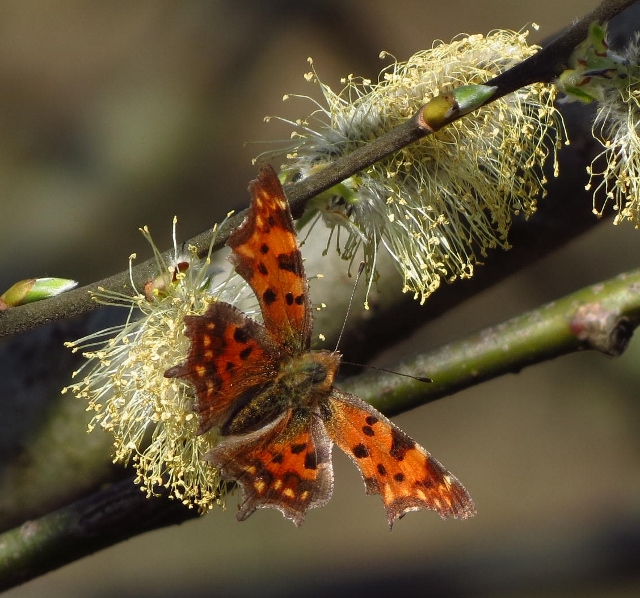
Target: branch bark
x,y
601,317
541,67
96,522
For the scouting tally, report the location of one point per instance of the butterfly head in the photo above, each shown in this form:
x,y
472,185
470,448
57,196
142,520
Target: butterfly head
x,y
310,375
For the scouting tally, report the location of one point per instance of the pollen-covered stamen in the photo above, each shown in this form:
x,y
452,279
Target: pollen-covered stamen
x,y
612,79
437,206
125,386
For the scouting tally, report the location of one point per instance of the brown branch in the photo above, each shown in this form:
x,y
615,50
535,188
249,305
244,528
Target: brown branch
x,y
113,515
541,67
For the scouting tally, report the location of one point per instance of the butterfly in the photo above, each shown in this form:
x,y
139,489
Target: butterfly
x,y
272,398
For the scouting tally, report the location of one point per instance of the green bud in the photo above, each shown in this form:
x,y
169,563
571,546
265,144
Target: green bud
x,y
437,112
594,69
448,106
35,289
470,97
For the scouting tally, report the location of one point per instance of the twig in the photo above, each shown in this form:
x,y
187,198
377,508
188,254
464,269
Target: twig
x,y
601,317
541,67
96,522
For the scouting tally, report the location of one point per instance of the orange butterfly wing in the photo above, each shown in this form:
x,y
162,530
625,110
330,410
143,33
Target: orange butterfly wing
x,y
273,399
393,465
285,465
230,354
267,256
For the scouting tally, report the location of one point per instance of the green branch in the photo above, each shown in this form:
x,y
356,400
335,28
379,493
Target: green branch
x,y
601,317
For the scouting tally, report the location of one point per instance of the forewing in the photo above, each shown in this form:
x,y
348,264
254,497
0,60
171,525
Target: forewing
x,y
230,355
392,464
267,256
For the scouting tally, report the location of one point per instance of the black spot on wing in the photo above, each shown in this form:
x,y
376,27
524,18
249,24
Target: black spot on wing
x,y
360,451
298,448
428,483
240,335
290,262
269,296
400,444
310,461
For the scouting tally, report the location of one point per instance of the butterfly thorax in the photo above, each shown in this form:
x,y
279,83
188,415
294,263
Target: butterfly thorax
x,y
301,383
308,377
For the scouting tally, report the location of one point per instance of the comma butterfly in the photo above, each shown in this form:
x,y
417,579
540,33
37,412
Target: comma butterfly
x,y
273,400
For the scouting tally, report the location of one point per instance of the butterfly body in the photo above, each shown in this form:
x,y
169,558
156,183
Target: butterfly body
x,y
273,399
301,383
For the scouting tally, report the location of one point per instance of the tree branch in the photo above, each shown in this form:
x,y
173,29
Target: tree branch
x,y
541,67
601,317
96,522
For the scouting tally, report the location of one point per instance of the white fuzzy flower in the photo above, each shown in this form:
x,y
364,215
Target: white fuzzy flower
x,y
612,79
151,417
437,205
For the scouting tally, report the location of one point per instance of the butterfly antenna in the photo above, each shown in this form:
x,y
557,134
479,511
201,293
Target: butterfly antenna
x,y
353,293
375,367
344,325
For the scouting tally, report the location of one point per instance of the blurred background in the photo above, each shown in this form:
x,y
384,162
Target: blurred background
x,y
116,115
